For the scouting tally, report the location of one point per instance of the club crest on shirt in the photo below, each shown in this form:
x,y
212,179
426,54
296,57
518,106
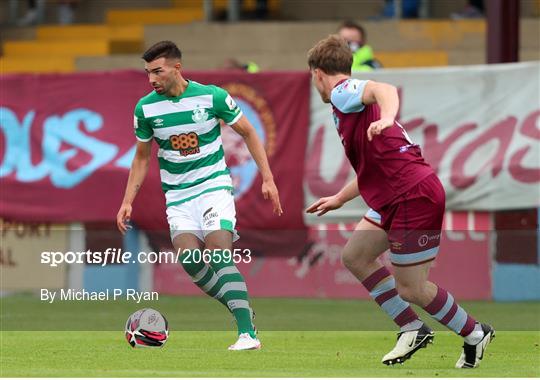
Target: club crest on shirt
x,y
199,115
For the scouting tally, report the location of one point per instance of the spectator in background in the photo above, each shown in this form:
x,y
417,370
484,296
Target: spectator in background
x,y
473,9
36,11
234,64
355,35
261,9
66,11
409,9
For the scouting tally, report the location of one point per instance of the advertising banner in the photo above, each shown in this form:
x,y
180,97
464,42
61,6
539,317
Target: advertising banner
x,y
67,143
478,127
21,250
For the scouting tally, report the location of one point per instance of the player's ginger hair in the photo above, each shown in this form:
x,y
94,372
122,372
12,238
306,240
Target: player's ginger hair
x,y
332,55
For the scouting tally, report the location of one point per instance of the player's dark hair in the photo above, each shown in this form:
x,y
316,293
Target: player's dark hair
x,y
332,55
349,24
166,49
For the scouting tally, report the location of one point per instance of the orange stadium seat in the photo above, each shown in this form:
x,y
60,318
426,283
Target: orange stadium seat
x,y
98,47
123,39
154,16
421,58
441,32
10,65
82,31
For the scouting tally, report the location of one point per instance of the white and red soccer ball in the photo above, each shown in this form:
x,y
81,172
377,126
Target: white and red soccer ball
x,y
147,328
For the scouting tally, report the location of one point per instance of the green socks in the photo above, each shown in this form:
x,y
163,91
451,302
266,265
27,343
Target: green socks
x,y
221,279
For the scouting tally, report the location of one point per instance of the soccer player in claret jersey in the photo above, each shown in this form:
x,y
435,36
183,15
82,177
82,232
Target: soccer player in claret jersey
x,y
182,116
407,204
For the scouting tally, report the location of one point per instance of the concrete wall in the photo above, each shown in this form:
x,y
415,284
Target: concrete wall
x,y
283,45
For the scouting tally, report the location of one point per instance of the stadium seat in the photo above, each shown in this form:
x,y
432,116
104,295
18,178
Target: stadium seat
x,y
123,39
154,16
441,33
393,59
82,31
9,65
96,47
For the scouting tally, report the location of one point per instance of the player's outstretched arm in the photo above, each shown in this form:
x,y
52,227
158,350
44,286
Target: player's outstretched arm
x,y
386,96
349,191
137,173
244,128
323,205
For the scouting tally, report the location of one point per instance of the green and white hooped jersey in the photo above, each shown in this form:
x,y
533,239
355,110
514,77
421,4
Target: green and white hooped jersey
x,y
187,130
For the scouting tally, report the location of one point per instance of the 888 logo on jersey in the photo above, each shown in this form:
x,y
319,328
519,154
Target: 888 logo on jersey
x,y
185,143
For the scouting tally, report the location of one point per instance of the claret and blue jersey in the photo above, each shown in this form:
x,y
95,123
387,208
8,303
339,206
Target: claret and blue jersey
x,y
405,195
387,166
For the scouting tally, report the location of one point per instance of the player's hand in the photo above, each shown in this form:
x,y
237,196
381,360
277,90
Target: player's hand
x,y
270,191
122,218
378,126
323,205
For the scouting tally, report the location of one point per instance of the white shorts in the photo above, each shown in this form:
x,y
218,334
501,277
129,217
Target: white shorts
x,y
209,212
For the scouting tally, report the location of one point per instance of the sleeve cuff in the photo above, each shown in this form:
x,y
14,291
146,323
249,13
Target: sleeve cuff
x,y
143,140
235,119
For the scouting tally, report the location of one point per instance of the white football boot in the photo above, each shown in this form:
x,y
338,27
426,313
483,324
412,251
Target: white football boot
x,y
474,353
408,343
245,342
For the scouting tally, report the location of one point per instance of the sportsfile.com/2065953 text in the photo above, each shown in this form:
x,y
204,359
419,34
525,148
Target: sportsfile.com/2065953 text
x,y
118,256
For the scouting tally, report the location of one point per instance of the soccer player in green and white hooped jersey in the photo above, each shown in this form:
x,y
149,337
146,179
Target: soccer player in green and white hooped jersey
x,y
182,116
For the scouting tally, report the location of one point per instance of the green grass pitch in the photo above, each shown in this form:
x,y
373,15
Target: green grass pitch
x,y
301,338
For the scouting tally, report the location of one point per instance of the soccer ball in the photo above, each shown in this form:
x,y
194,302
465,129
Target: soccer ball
x,y
147,328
